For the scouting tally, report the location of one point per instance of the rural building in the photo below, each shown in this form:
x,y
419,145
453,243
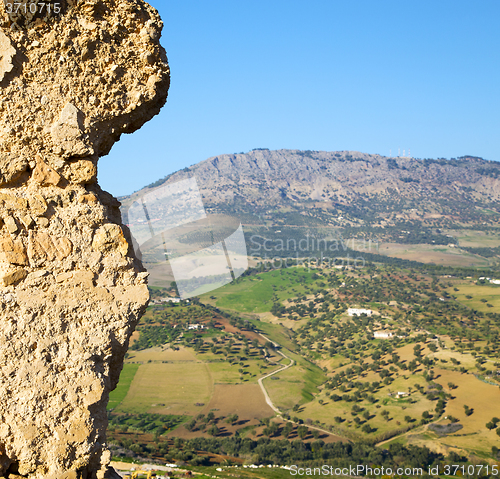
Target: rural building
x,y
359,311
166,300
383,334
196,326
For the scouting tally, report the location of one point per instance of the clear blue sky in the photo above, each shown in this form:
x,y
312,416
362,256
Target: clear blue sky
x,y
363,75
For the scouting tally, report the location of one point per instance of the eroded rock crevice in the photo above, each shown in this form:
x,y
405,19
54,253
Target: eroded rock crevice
x,y
71,290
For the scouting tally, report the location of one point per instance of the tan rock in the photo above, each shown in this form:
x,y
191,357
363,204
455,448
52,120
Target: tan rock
x,y
44,174
83,172
11,224
7,54
85,278
42,222
26,220
36,276
37,205
68,132
13,251
12,277
64,277
11,167
71,86
12,202
43,247
110,238
73,474
89,198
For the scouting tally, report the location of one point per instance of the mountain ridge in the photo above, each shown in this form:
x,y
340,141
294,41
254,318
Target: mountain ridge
x,y
346,183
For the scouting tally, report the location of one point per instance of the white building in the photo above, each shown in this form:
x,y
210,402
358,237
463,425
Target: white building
x,y
359,311
166,300
196,326
171,300
383,334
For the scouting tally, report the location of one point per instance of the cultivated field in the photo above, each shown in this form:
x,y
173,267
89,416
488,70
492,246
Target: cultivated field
x,y
478,296
226,373
255,294
126,377
182,382
161,354
245,400
483,399
440,255
168,388
343,380
475,239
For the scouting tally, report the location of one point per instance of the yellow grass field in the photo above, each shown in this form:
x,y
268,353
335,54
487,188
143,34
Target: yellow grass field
x,y
291,385
184,383
246,400
440,255
489,292
168,388
466,360
287,323
285,392
397,408
483,398
223,372
475,239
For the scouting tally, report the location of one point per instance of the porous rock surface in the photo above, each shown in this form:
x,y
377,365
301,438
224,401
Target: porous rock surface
x,y
71,290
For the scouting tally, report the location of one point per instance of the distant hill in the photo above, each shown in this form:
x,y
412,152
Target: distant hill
x,y
346,188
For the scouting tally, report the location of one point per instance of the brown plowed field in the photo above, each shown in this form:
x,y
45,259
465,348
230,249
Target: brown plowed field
x,y
246,400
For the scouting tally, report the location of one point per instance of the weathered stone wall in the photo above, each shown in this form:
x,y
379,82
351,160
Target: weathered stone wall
x,y
71,291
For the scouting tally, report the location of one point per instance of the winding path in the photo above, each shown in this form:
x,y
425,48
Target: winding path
x,y
268,399
261,383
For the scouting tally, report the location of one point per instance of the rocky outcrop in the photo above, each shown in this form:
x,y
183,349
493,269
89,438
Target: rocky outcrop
x,y
71,290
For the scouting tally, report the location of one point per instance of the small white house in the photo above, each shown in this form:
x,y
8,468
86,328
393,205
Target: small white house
x,y
359,311
495,281
171,300
383,334
196,326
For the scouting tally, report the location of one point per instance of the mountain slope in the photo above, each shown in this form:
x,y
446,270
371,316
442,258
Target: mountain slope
x,y
347,188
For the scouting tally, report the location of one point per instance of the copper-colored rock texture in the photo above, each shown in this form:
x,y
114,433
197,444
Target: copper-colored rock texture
x,y
71,290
